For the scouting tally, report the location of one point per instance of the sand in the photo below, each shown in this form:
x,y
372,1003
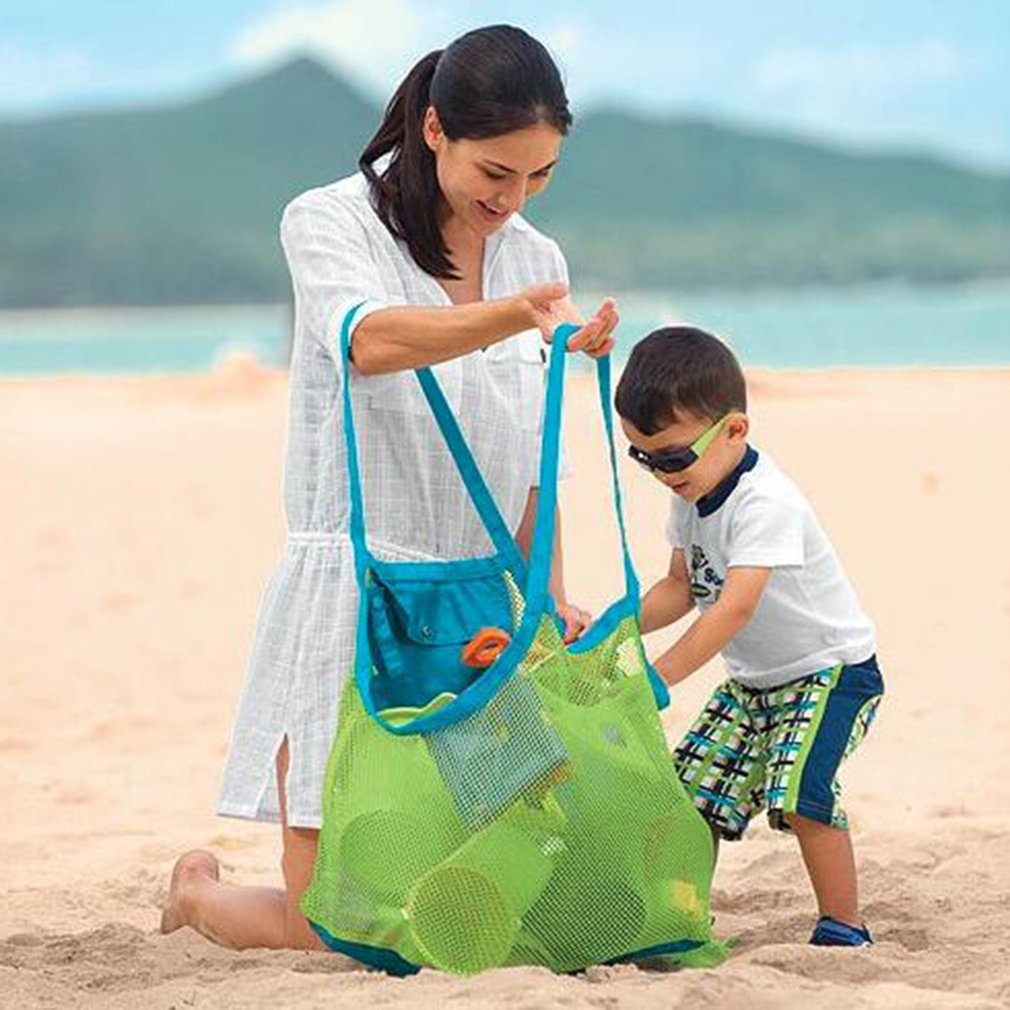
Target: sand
x,y
140,520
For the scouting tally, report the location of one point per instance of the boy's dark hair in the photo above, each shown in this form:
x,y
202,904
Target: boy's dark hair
x,y
675,369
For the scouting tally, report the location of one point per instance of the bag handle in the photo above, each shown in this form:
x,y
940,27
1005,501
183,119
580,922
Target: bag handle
x,y
473,480
603,373
538,575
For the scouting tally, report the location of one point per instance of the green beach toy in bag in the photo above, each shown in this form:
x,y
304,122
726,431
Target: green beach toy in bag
x,y
520,810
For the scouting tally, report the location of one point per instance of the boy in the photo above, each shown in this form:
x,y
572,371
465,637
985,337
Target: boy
x,y
774,600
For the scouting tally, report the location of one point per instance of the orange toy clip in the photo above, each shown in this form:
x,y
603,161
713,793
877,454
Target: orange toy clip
x,y
485,647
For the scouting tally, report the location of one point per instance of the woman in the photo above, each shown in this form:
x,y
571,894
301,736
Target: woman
x,y
429,237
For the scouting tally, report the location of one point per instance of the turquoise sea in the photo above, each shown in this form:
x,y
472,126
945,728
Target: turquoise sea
x,y
867,326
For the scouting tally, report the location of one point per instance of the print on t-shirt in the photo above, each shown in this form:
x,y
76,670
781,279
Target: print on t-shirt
x,y
706,583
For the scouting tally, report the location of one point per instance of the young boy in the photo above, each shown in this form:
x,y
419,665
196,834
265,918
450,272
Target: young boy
x,y
774,600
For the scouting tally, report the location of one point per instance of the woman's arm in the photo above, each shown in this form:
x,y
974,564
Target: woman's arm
x,y
404,337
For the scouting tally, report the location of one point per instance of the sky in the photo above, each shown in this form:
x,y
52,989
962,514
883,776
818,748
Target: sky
x,y
907,74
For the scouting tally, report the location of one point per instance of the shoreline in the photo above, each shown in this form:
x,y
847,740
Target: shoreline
x,y
999,284
583,371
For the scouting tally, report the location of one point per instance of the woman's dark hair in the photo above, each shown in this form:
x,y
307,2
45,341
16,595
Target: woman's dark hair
x,y
488,82
679,368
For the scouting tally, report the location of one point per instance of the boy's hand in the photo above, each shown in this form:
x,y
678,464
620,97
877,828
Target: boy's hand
x,y
576,621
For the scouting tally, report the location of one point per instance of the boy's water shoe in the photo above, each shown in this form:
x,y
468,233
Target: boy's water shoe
x,y
830,932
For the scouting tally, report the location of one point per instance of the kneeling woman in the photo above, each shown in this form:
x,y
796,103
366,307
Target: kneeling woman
x,y
428,235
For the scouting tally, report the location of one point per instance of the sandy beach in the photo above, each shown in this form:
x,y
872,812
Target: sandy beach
x,y
141,518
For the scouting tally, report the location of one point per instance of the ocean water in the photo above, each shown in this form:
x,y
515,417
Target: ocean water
x,y
138,341
859,327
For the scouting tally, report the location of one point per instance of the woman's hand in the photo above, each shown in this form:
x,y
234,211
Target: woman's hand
x,y
550,306
576,621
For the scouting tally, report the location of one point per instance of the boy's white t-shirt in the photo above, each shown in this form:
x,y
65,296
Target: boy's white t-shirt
x,y
808,617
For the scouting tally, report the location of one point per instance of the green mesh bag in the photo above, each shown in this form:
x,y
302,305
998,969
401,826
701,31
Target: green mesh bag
x,y
524,814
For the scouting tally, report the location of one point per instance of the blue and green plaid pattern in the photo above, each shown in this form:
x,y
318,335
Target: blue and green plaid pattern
x,y
777,749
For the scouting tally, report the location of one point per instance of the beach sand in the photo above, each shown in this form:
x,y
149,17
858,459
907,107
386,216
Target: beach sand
x,y
141,518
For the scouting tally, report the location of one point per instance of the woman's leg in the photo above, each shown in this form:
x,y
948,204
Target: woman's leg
x,y
297,861
237,916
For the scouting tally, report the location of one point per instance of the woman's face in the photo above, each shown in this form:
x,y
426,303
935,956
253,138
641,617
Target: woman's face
x,y
484,182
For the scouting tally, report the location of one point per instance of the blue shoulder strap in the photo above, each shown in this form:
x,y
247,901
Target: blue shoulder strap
x,y
603,384
361,555
538,572
538,575
473,480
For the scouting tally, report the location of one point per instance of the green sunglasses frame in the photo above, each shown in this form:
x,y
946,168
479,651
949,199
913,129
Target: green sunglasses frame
x,y
675,460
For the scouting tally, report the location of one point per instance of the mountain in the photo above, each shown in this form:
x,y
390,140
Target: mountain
x,y
683,202
172,204
180,203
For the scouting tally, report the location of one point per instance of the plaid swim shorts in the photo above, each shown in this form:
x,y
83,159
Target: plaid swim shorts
x,y
778,748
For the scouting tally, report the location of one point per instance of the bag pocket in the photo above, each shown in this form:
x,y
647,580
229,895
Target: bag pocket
x,y
418,628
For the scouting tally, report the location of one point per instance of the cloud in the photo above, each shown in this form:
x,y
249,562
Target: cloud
x,y
862,67
869,91
374,41
31,77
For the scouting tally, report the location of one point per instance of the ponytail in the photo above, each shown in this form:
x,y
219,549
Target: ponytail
x,y
406,195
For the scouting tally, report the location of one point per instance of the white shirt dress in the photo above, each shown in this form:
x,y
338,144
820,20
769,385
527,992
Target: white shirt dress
x,y
340,253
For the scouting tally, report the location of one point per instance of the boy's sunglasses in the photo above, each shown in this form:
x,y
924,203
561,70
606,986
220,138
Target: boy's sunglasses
x,y
675,460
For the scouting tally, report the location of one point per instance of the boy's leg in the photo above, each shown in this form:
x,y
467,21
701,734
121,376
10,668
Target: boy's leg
x,y
827,855
238,916
814,724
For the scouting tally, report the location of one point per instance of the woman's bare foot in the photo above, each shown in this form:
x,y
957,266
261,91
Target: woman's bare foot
x,y
190,871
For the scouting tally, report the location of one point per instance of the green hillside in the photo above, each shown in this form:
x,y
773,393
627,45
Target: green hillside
x,y
702,204
180,204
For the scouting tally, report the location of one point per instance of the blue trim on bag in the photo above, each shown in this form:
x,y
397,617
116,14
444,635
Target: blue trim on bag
x,y
532,578
626,606
473,482
383,959
631,586
473,479
673,947
659,689
379,958
604,625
